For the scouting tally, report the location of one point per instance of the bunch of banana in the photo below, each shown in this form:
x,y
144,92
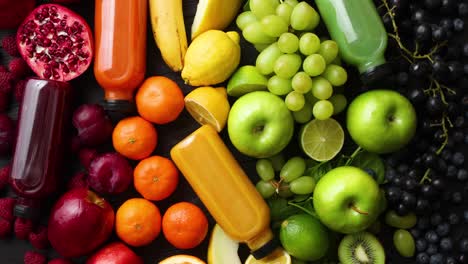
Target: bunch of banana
x,y
169,32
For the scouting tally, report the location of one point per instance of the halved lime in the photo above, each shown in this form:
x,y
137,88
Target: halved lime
x,y
322,140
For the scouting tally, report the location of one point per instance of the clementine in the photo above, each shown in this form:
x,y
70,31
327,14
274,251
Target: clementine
x,y
134,138
159,100
184,225
138,222
155,178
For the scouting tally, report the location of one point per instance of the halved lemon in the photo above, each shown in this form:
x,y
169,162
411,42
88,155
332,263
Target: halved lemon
x,y
208,105
182,259
214,14
279,256
222,249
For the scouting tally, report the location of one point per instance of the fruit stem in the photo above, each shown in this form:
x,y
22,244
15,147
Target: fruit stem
x,y
93,198
354,208
350,159
426,177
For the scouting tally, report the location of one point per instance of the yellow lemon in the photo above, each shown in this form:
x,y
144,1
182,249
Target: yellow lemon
x,y
214,14
182,259
211,58
279,256
208,105
222,249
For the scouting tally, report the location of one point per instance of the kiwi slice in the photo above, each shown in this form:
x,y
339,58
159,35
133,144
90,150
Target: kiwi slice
x,y
361,248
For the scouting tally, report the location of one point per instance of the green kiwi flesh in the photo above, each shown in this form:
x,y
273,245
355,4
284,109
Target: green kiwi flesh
x,y
361,248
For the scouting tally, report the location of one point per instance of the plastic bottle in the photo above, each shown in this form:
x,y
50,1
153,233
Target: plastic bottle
x,y
360,34
120,61
39,149
225,189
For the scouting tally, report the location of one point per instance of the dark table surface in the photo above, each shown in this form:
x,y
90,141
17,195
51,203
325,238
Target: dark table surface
x,y
88,90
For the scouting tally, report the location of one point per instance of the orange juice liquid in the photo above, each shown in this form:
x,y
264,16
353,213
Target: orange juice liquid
x,y
120,32
223,187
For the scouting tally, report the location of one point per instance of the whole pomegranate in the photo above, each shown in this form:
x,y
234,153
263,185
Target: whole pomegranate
x,y
115,253
79,223
93,125
56,42
12,12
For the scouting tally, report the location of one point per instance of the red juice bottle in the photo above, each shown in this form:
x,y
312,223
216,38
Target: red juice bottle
x,y
39,149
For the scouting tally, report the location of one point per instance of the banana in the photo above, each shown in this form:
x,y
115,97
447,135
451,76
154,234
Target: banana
x,y
167,20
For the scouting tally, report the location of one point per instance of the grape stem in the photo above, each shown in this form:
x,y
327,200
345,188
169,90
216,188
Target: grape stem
x,y
426,177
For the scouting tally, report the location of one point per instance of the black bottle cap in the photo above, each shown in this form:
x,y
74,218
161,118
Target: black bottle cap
x,y
266,249
119,109
377,74
26,211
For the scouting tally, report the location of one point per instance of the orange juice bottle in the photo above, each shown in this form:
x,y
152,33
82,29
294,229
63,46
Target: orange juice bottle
x,y
120,61
225,190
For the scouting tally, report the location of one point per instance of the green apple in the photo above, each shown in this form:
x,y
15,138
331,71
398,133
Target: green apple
x,y
381,121
260,125
245,80
347,199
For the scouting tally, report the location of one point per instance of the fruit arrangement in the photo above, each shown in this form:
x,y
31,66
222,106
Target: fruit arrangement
x,y
271,131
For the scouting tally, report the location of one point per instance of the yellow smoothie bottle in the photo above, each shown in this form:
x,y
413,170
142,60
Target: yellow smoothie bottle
x,y
225,189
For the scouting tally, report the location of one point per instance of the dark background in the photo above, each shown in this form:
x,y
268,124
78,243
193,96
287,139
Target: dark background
x,y
88,90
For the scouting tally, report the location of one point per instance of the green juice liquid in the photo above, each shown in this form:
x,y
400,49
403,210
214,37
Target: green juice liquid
x,y
357,28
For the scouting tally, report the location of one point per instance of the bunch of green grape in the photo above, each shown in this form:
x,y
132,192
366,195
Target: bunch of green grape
x,y
301,68
292,180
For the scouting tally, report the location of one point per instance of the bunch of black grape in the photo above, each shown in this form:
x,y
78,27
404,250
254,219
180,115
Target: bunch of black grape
x,y
430,61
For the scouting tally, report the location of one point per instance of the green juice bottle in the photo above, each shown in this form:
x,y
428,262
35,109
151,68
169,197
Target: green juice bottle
x,y
357,28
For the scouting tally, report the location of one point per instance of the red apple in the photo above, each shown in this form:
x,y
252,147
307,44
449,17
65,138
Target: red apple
x,y
115,253
79,223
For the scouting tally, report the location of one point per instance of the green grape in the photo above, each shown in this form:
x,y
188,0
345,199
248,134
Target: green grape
x,y
339,103
294,101
262,8
274,25
309,43
265,169
254,34
304,115
304,17
284,11
301,82
288,43
266,189
287,65
277,161
310,97
279,86
292,3
404,222
321,88
314,65
261,47
293,169
329,50
266,59
302,185
404,243
244,19
336,75
322,110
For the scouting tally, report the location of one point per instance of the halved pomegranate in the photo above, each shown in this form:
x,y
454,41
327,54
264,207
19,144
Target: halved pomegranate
x,y
56,42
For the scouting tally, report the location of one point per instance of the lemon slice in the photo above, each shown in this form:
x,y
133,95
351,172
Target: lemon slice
x,y
208,106
182,259
222,248
214,14
322,140
278,257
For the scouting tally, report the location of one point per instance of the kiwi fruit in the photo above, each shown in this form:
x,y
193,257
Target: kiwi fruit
x,y
361,248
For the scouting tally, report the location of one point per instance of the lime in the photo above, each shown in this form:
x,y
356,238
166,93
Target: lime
x,y
322,140
208,105
278,256
222,248
304,237
245,80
